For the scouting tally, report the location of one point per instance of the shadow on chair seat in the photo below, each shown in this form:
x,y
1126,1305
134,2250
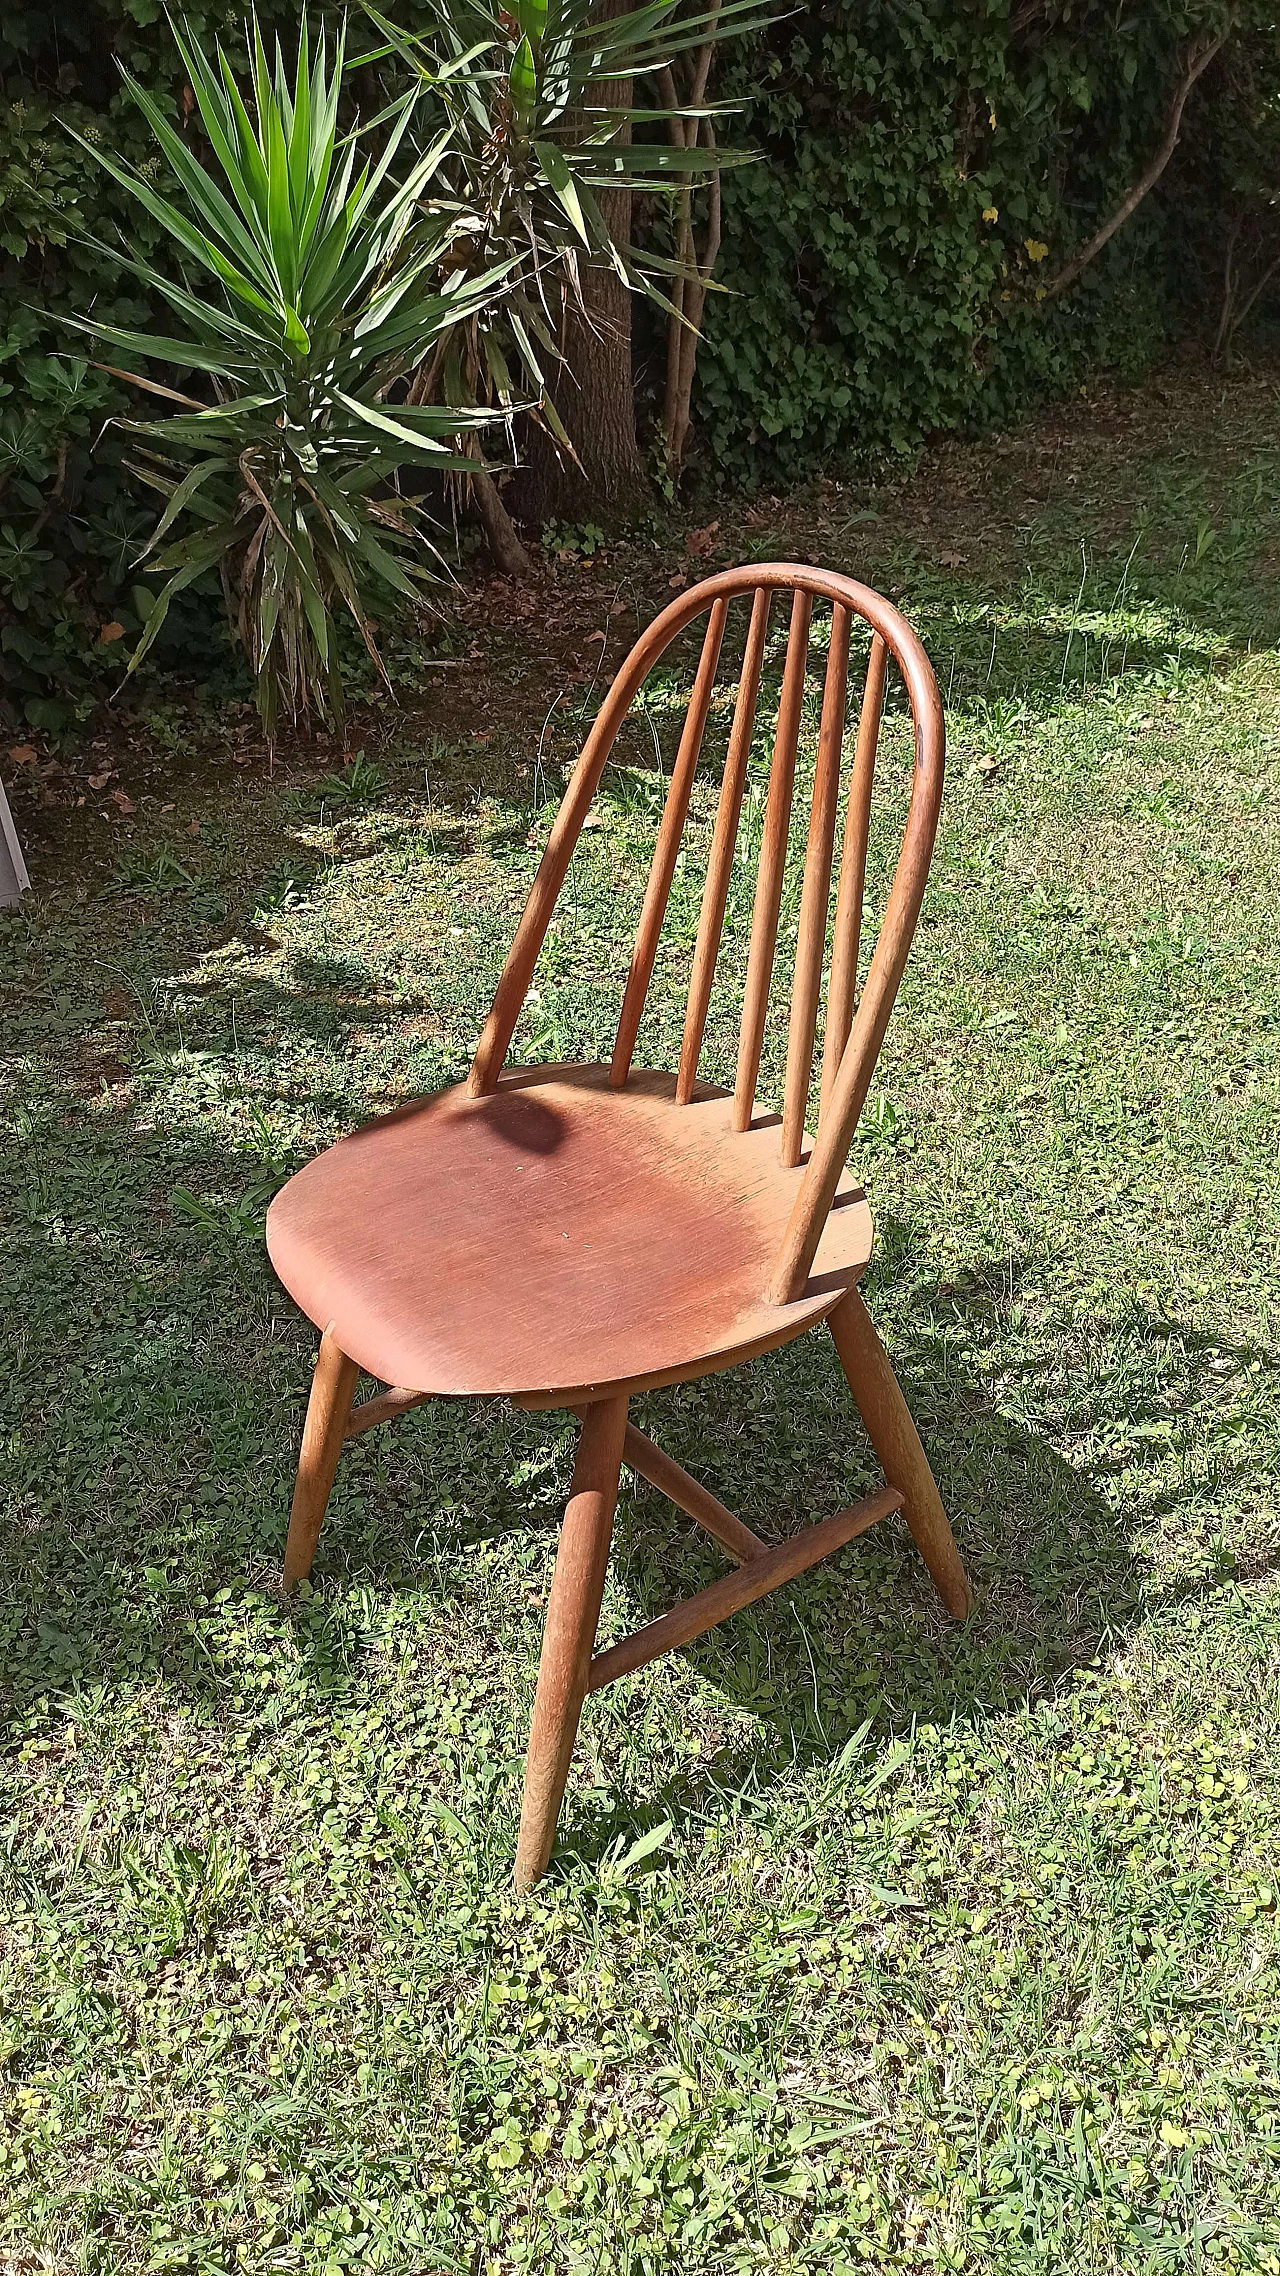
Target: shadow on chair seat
x,y
636,1236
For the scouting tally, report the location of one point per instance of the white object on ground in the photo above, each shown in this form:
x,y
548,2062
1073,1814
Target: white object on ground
x,y
14,881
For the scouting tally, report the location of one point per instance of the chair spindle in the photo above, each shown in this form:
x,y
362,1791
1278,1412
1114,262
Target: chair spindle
x,y
842,986
773,858
815,895
665,852
715,892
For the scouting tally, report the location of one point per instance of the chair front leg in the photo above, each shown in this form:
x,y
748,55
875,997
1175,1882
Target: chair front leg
x,y
573,1611
332,1390
888,1424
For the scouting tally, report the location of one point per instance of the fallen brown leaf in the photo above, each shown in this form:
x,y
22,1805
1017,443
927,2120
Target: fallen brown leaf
x,y
110,632
100,780
122,799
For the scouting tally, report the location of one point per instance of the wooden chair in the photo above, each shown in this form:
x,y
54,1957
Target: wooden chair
x,y
567,1235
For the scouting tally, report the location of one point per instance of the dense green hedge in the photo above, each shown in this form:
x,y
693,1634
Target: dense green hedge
x,y
873,302
927,165
71,521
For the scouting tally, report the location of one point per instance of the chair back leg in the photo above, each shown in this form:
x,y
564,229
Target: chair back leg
x,y
893,1434
332,1390
573,1611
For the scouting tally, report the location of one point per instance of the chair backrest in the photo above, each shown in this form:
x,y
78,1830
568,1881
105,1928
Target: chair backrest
x,y
855,1026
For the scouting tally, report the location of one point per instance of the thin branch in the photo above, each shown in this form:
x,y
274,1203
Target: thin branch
x,y
1198,61
509,556
689,291
1246,306
54,498
702,62
1228,285
696,301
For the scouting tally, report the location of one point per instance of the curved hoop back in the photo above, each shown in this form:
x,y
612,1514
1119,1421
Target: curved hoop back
x,y
854,1032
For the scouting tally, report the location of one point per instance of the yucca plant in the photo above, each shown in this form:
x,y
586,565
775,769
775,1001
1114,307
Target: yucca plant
x,y
303,299
535,97
543,132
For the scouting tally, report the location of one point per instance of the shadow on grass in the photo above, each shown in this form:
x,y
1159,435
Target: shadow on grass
x,y
154,1425
172,905
1059,1568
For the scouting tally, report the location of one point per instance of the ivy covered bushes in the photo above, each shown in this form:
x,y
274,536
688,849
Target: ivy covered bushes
x,y
928,165
71,522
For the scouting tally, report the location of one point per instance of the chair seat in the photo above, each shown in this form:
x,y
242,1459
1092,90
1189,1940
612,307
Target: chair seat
x,y
554,1237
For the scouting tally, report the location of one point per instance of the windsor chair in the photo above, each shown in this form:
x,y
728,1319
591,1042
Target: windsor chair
x,y
570,1235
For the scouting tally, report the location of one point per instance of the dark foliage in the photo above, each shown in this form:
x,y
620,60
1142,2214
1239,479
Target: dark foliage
x,y
929,166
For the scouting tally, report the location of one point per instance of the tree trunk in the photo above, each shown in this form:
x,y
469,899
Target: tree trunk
x,y
509,556
593,389
505,550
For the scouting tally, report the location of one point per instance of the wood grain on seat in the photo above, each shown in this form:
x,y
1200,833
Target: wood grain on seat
x,y
555,1235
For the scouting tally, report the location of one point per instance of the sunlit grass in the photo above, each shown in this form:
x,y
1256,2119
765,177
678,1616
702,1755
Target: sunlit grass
x,y
870,1943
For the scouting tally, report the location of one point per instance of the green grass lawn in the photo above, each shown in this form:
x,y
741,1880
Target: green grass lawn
x,y
869,1942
